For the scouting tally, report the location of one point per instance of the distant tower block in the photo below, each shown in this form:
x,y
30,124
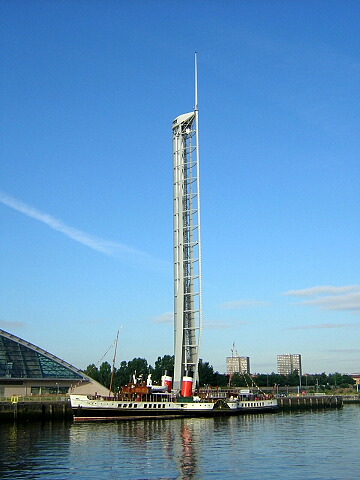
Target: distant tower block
x,y
187,246
288,363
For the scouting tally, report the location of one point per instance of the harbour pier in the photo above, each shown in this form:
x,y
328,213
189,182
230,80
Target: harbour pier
x,y
310,402
58,407
17,408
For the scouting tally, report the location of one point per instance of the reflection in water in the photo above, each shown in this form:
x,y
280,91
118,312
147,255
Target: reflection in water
x,y
278,446
174,442
188,457
24,447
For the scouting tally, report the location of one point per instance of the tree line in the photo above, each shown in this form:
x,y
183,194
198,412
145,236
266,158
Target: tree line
x,y
121,376
124,374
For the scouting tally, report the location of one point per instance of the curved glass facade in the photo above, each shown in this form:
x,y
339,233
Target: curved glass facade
x,y
21,360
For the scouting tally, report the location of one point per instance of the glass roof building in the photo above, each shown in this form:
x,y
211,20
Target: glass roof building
x,y
26,369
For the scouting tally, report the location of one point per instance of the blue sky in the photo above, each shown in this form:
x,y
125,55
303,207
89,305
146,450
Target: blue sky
x,y
89,90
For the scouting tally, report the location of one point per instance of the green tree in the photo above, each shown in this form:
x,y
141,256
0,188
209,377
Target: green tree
x,y
122,376
349,380
162,365
140,368
206,373
92,371
105,374
293,379
262,380
220,380
239,380
338,380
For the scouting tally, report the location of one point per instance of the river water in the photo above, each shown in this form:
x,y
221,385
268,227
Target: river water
x,y
321,445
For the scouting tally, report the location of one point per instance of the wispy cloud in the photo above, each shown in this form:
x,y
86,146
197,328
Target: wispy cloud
x,y
104,246
10,324
243,304
167,317
345,298
349,302
221,325
326,326
343,350
325,289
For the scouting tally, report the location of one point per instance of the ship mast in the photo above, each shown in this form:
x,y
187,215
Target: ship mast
x,y
187,245
113,364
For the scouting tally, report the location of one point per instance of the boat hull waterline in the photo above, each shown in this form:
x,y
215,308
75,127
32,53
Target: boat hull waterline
x,y
88,409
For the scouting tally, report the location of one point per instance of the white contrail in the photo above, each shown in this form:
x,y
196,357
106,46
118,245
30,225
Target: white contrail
x,y
104,246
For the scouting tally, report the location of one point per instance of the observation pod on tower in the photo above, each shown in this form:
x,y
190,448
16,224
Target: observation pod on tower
x,y
187,247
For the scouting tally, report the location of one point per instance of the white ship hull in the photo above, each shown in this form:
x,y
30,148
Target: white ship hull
x,y
89,409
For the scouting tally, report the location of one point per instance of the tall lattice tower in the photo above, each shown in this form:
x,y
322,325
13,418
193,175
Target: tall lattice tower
x,y
187,245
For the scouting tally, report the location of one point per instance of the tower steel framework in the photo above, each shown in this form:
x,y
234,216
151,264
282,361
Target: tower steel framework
x,y
187,245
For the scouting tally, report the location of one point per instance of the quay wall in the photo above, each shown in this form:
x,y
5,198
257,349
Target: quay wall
x,y
24,409
351,398
309,402
18,410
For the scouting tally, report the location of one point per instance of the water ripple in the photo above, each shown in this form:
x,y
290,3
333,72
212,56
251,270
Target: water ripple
x,y
313,445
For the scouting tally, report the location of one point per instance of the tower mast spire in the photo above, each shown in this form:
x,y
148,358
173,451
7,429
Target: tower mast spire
x,y
187,246
196,83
